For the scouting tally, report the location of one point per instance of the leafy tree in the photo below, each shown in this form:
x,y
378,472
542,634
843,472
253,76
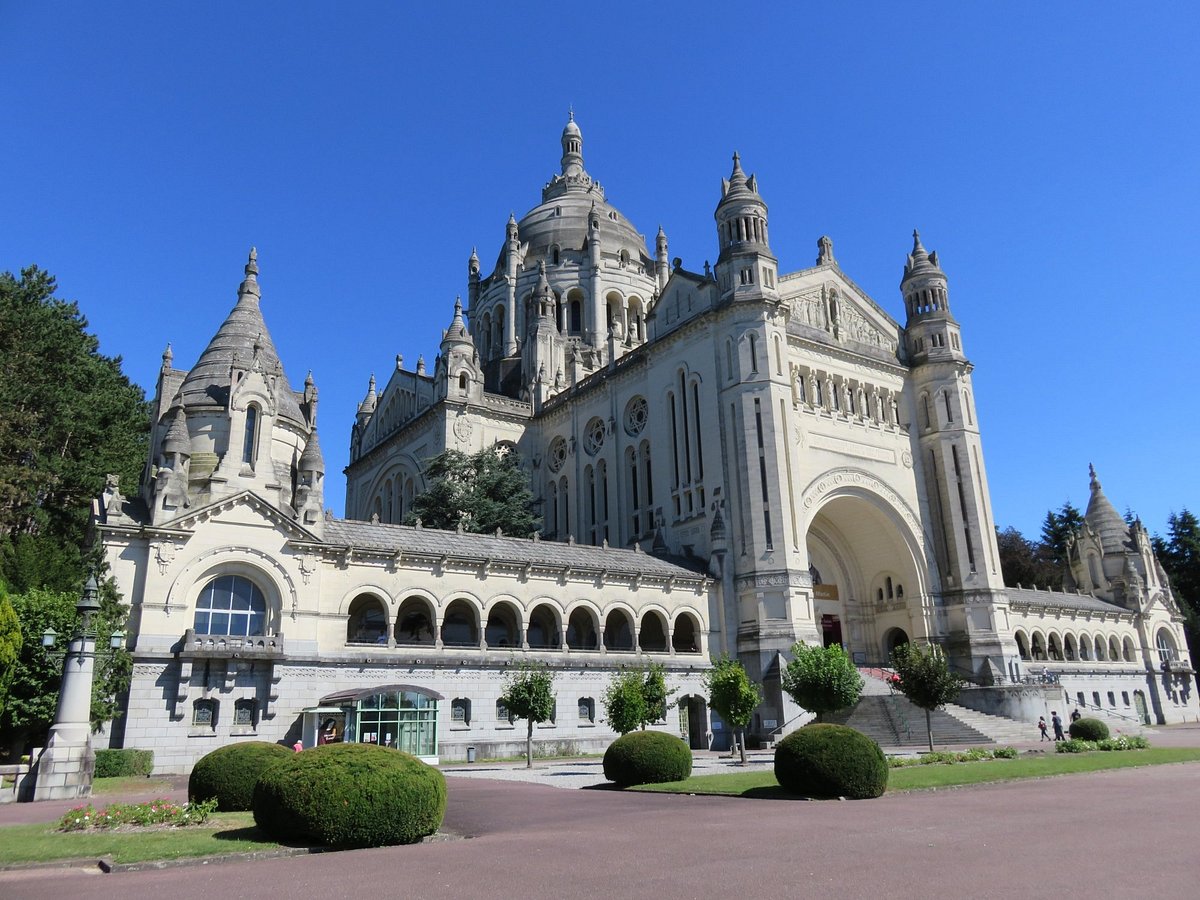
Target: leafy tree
x,y
36,677
68,417
10,645
483,492
1179,554
529,694
822,679
925,679
733,695
1026,563
1056,527
635,699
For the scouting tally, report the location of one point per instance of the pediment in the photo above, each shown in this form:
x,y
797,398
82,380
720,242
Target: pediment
x,y
245,509
685,296
826,300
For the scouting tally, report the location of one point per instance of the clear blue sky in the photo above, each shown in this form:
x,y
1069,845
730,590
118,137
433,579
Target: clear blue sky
x,y
1048,153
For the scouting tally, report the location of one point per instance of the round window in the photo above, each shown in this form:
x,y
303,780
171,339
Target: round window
x,y
593,438
636,413
558,454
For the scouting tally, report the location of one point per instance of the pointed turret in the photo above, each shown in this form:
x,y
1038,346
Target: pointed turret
x,y
572,145
369,402
312,460
177,441
745,267
662,264
1102,517
457,332
241,336
473,281
932,332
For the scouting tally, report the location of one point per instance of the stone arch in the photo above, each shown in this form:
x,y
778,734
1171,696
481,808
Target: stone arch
x,y
415,620
652,631
367,619
460,622
685,632
502,626
583,629
543,625
1128,652
1054,646
1100,647
893,638
1022,640
1114,649
1070,648
1037,647
618,630
263,570
1085,647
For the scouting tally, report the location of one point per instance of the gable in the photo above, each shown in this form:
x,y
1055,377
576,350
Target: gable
x,y
827,305
684,297
245,510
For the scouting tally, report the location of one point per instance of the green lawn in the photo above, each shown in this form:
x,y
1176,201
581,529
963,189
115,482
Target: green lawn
x,y
132,784
224,833
761,783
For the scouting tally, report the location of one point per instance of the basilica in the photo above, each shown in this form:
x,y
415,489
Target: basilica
x,y
725,462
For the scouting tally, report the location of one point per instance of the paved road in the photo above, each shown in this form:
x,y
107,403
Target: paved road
x,y
1120,833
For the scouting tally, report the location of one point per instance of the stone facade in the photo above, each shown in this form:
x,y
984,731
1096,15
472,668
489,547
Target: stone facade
x,y
726,461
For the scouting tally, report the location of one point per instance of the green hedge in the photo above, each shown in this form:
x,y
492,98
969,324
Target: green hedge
x,y
823,760
647,757
1089,730
229,773
350,795
123,763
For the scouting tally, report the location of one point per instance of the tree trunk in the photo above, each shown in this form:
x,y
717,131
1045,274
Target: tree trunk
x,y
742,746
929,729
529,746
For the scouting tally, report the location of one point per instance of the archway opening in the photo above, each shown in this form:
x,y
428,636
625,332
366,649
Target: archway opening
x,y
543,632
685,638
414,622
459,625
618,632
652,636
581,631
367,622
503,628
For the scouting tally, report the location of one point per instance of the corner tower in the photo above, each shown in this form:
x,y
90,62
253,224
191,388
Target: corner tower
x,y
746,268
946,435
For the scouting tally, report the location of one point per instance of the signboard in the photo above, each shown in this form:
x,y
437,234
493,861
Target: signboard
x,y
825,591
770,723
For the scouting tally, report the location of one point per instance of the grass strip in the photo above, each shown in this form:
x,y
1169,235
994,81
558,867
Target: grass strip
x,y
224,833
130,784
762,784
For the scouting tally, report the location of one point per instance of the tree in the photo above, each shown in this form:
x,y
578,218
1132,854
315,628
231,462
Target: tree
x,y
10,645
68,417
529,694
925,679
733,695
637,698
1180,558
822,679
1056,527
481,492
1026,563
36,677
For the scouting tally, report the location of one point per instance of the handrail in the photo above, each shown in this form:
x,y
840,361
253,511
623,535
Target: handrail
x,y
779,730
1107,712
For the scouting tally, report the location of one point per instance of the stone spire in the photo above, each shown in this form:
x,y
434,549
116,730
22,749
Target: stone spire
x,y
1102,517
457,332
177,439
241,336
572,146
919,261
368,404
312,460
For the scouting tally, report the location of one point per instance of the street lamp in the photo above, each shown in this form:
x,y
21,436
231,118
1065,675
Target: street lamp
x,y
65,767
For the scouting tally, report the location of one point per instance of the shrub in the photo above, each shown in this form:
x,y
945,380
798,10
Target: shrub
x,y
1075,745
1089,730
831,761
1004,753
350,795
123,763
647,757
229,773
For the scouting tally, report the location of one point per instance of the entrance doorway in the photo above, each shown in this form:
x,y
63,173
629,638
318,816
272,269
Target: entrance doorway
x,y
831,630
1139,703
693,721
894,638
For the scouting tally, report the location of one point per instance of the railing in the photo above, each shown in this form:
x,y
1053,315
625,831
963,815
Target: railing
x,y
226,645
778,731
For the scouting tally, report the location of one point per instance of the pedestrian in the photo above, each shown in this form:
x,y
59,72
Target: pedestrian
x,y
1076,715
298,746
1042,728
1057,723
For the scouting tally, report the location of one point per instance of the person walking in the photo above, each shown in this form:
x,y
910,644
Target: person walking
x,y
1076,715
1042,728
1057,723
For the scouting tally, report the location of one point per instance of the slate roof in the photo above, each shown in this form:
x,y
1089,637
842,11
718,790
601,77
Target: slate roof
x,y
1064,601
553,554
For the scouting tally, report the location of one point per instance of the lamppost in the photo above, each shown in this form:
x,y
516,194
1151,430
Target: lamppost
x,y
65,767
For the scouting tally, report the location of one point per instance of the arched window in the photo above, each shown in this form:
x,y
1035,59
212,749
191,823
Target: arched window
x,y
685,637
1127,652
250,440
1022,645
652,636
459,626
204,715
1085,648
1069,647
1099,648
753,353
581,631
245,714
1055,648
462,381
587,710
231,605
502,628
1114,649
1165,644
460,711
618,632
367,622
543,632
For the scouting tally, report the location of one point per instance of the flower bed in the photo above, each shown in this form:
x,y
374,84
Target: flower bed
x,y
949,756
144,815
1121,742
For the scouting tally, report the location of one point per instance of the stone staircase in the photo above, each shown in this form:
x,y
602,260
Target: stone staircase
x,y
893,721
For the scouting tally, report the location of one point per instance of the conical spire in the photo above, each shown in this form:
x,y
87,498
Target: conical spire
x,y
369,401
1102,517
919,261
312,460
177,439
241,335
457,331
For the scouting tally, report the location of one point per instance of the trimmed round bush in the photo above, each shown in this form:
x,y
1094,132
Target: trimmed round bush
x,y
229,773
823,760
647,757
350,795
1089,730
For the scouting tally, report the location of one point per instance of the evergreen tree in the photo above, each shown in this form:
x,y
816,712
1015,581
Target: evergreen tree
x,y
1055,529
482,492
529,694
1024,563
733,695
68,417
822,679
1180,558
10,645
925,679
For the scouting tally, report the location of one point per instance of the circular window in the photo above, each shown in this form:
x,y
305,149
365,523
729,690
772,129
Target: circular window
x,y
636,413
593,436
558,454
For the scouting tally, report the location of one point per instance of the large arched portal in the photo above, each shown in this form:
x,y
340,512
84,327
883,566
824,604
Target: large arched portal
x,y
868,576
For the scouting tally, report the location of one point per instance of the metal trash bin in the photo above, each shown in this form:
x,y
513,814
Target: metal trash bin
x,y
470,754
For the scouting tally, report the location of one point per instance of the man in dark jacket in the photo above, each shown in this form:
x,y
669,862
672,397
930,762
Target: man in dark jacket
x,y
1057,723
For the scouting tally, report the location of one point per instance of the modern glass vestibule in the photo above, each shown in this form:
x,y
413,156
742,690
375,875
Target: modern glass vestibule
x,y
392,715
